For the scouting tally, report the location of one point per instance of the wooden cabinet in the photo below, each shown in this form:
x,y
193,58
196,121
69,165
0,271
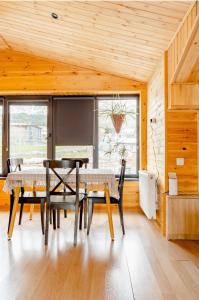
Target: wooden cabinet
x,y
182,217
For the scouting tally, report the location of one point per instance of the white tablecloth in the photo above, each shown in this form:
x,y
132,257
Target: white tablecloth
x,y
37,177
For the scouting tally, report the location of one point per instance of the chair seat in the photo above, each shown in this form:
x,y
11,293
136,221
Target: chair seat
x,y
65,199
99,197
30,196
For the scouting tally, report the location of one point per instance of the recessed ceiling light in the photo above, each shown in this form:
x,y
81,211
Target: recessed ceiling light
x,y
54,15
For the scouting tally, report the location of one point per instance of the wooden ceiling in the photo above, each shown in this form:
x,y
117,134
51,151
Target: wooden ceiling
x,y
122,38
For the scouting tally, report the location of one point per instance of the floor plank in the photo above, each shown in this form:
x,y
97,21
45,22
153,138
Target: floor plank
x,y
141,265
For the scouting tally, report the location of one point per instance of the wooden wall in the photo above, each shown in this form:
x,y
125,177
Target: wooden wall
x,y
182,131
22,74
156,134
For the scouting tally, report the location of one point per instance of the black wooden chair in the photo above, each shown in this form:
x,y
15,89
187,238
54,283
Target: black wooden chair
x,y
25,197
84,161
63,198
99,197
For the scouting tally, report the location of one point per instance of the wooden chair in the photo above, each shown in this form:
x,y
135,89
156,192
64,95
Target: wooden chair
x,y
84,161
25,197
100,198
59,198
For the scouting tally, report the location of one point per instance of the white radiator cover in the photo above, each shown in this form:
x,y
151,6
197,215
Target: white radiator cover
x,y
148,193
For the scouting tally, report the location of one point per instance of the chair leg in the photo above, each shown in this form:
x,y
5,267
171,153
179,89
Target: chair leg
x,y
121,217
21,213
90,215
47,224
108,205
85,212
80,215
11,208
65,213
76,225
42,215
58,218
50,212
54,219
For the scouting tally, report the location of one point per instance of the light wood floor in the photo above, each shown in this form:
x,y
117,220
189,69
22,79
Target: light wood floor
x,y
141,265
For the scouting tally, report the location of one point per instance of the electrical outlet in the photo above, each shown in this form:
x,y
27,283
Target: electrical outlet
x,y
180,161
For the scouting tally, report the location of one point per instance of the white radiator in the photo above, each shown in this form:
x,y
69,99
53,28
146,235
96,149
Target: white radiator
x,y
147,189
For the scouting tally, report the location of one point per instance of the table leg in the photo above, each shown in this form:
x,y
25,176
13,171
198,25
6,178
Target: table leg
x,y
108,205
14,211
31,211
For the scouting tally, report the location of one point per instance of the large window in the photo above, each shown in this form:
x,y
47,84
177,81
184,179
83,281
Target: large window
x,y
104,129
28,133
118,134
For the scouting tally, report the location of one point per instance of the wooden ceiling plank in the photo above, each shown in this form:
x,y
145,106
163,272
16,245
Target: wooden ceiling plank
x,y
150,43
107,14
73,48
159,43
123,9
125,62
49,5
154,7
131,46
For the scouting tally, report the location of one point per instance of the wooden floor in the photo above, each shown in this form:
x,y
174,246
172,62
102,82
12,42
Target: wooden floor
x,y
141,265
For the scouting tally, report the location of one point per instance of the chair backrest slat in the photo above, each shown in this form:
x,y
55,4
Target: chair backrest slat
x,y
14,164
84,160
55,166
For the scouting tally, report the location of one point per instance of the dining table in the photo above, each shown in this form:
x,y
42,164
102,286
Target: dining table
x,y
37,178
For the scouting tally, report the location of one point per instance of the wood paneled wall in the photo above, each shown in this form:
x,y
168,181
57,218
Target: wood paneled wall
x,y
182,131
156,134
22,74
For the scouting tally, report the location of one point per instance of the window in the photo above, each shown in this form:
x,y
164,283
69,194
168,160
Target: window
x,y
118,134
105,129
28,133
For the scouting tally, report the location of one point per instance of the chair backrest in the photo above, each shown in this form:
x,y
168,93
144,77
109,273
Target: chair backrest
x,y
121,180
14,164
84,160
62,169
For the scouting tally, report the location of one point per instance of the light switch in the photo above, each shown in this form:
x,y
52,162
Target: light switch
x,y
180,161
